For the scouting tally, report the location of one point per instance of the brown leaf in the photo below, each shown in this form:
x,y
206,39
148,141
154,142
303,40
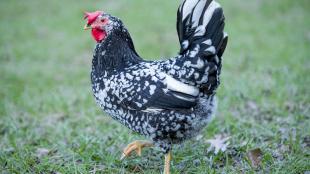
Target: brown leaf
x,y
255,156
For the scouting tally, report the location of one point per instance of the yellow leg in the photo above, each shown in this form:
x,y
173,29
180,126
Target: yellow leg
x,y
135,146
167,163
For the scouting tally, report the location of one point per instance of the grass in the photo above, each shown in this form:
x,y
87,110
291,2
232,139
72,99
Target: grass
x,y
49,122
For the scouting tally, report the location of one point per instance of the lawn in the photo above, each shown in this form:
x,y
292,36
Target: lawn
x,y
50,123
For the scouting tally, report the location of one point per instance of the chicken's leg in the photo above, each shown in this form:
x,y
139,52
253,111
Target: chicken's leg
x,y
135,146
167,163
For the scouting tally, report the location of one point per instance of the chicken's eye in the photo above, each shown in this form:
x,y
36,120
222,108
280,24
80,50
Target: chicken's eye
x,y
103,20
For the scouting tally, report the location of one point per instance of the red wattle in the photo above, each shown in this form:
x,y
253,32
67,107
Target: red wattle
x,y
98,34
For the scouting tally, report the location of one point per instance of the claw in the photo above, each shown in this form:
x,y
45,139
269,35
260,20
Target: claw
x,y
135,146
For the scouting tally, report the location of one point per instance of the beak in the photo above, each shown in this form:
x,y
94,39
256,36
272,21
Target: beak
x,y
87,27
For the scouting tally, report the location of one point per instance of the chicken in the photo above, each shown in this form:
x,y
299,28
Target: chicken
x,y
170,100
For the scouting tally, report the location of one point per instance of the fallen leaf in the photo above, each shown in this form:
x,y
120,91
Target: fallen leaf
x,y
255,156
218,144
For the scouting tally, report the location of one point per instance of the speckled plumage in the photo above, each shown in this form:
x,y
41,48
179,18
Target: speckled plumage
x,y
169,100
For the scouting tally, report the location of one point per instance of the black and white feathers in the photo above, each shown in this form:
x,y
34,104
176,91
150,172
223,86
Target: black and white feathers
x,y
168,100
200,26
202,22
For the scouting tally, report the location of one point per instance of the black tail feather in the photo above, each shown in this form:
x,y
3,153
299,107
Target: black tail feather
x,y
199,21
200,26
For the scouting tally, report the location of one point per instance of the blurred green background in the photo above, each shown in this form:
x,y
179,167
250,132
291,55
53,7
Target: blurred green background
x,y
49,122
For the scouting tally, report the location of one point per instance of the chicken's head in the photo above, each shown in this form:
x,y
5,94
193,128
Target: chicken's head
x,y
100,23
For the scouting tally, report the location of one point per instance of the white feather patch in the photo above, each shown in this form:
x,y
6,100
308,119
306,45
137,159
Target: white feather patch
x,y
188,7
198,12
178,86
185,44
184,98
225,35
200,31
152,110
207,42
211,49
209,12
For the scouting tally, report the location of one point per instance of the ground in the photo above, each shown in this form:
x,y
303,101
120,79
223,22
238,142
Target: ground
x,y
49,122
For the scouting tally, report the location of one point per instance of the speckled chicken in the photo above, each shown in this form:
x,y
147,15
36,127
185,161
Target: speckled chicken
x,y
169,100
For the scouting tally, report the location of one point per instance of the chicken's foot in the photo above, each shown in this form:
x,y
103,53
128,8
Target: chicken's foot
x,y
135,146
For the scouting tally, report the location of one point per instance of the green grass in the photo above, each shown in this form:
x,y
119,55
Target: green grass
x,y
46,100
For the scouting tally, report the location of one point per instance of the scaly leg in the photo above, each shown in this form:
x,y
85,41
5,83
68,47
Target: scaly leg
x,y
135,146
167,163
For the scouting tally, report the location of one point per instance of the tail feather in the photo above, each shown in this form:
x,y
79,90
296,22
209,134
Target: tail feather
x,y
200,26
201,22
223,45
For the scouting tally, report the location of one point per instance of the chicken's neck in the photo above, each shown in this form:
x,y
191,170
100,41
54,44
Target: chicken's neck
x,y
114,54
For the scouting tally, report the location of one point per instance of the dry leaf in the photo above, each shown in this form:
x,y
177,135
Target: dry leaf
x,y
255,156
218,144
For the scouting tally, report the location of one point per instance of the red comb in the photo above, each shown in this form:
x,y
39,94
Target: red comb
x,y
92,16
